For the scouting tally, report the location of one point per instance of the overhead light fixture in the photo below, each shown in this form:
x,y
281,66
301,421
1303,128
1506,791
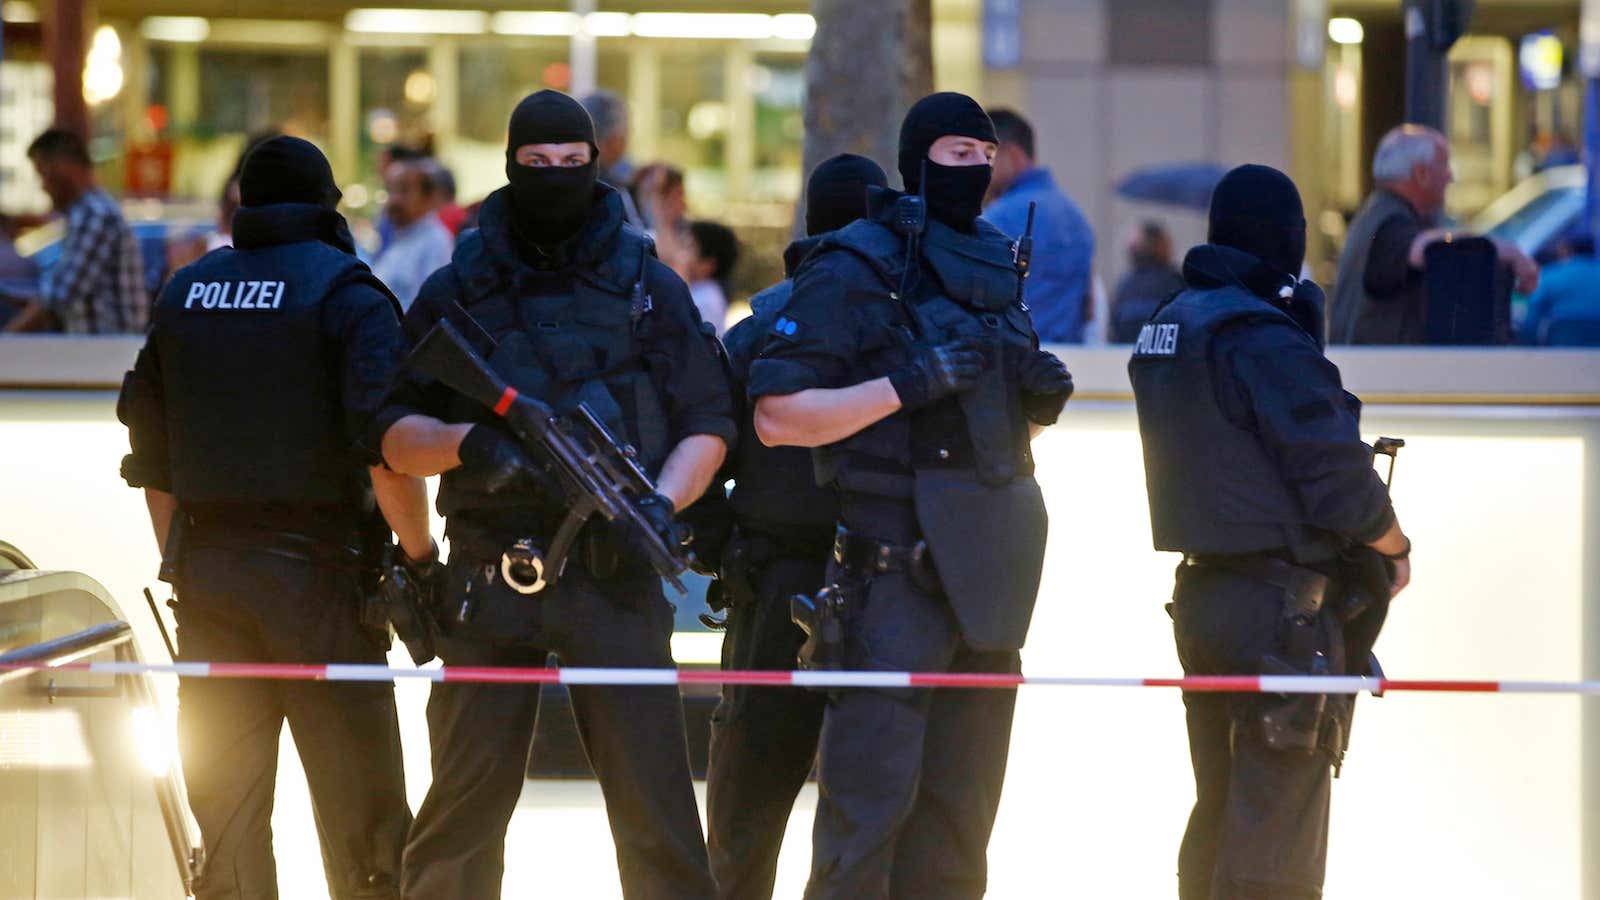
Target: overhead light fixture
x,y
102,68
416,21
733,26
1345,30
608,24
18,12
794,26
553,24
175,29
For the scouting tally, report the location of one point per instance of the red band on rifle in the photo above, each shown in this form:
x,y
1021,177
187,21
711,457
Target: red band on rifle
x,y
506,399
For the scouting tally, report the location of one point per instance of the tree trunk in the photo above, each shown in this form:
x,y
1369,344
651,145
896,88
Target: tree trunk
x,y
869,61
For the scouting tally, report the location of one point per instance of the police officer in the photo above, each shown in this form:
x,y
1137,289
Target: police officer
x,y
764,740
250,413
906,357
578,310
1257,473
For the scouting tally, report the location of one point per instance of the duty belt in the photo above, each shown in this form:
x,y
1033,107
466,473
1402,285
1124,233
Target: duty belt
x,y
1307,586
763,545
869,556
276,543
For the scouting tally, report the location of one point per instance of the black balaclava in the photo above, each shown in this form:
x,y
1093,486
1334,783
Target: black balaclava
x,y
550,203
954,194
836,193
287,170
1257,209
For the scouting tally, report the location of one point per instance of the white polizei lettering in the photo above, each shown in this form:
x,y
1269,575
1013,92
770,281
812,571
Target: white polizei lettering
x,y
212,295
277,293
195,290
228,293
247,294
1142,345
1169,339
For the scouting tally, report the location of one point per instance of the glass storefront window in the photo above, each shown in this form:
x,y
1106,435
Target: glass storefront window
x,y
494,78
243,92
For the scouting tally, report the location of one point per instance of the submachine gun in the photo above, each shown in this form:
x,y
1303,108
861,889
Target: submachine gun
x,y
599,474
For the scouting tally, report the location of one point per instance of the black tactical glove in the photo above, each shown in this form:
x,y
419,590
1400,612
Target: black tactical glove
x,y
938,372
1046,387
498,462
657,509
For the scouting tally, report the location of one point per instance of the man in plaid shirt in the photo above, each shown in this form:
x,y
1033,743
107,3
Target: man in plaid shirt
x,y
97,284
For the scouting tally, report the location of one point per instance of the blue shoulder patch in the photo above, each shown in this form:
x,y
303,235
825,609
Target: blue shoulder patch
x,y
786,328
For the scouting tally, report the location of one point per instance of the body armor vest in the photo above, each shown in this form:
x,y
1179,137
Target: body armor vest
x,y
583,343
774,488
1213,488
965,285
252,401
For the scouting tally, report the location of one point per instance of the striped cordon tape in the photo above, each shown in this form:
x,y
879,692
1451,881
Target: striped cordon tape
x,y
1255,684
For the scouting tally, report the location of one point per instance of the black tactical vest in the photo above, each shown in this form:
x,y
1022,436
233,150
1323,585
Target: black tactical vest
x,y
1212,486
774,487
964,286
580,343
252,400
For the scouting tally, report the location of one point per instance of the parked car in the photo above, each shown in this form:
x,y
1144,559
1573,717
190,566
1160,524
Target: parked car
x,y
1538,213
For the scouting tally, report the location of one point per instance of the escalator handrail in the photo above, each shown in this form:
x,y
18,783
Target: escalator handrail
x,y
117,635
64,649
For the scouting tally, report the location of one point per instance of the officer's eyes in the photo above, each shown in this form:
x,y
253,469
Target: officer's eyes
x,y
573,161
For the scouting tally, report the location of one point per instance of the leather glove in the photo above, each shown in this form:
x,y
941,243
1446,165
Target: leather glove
x,y
1046,387
657,510
938,372
498,462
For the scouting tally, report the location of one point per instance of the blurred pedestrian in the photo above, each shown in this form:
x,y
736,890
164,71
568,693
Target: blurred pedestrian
x,y
713,252
1058,285
450,212
1151,280
663,203
610,115
420,244
1380,296
96,286
1565,310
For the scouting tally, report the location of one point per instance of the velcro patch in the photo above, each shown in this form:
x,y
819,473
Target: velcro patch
x,y
786,328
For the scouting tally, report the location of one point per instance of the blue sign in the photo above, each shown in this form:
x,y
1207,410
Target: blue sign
x,y
1002,34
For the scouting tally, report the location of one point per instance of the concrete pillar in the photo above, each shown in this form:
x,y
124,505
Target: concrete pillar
x,y
135,98
444,66
66,40
344,108
183,87
583,58
644,101
740,100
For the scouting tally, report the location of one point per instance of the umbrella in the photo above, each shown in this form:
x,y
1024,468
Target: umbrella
x,y
1188,185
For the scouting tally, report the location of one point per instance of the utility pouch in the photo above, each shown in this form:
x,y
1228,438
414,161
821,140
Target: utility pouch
x,y
172,551
374,618
1291,722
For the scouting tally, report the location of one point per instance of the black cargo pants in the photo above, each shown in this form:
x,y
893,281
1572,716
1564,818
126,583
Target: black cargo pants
x,y
763,739
480,735
910,779
242,605
1259,827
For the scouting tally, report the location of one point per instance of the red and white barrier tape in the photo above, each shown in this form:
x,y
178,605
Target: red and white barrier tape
x,y
1263,684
